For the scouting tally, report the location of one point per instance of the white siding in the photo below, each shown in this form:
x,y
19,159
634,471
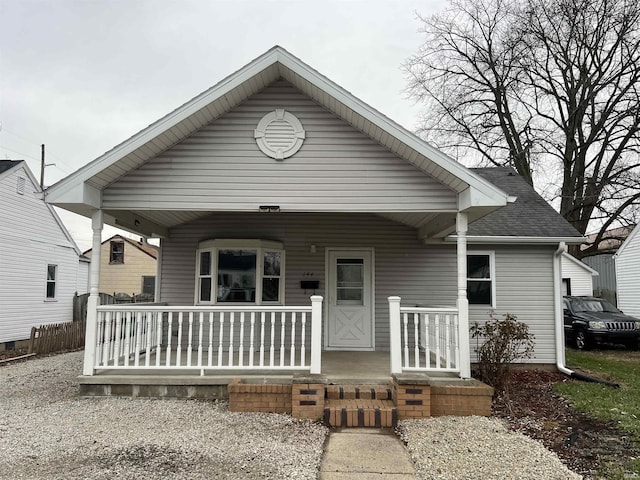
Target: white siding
x,y
30,239
580,278
82,283
220,168
420,274
628,275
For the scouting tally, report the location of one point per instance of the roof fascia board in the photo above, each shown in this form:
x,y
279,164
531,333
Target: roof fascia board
x,y
36,185
518,240
171,119
473,197
137,246
580,264
490,192
627,240
79,193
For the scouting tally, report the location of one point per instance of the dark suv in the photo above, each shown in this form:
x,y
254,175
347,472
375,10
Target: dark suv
x,y
591,320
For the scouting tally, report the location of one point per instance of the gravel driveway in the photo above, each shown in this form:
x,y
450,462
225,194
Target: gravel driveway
x,y
46,432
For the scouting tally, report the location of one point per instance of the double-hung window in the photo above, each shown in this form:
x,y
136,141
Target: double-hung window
x,y
481,278
52,278
240,271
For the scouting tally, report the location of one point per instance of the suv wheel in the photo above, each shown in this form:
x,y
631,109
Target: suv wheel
x,y
582,340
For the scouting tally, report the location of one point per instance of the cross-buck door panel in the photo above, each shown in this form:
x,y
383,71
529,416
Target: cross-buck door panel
x,y
350,315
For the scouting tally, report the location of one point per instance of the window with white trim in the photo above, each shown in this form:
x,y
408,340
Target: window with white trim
x,y
481,278
52,277
240,271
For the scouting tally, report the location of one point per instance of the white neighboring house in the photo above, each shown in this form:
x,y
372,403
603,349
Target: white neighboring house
x,y
41,268
577,277
627,261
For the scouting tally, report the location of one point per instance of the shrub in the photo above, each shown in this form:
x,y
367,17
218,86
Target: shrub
x,y
506,340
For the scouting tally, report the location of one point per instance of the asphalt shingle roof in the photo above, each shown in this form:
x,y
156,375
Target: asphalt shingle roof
x,y
8,164
529,216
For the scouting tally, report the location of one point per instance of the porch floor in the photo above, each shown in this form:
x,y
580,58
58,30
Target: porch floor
x,y
338,367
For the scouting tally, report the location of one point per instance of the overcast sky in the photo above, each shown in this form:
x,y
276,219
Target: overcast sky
x,y
81,76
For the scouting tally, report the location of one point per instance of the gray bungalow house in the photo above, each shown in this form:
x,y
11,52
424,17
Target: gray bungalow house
x,y
298,225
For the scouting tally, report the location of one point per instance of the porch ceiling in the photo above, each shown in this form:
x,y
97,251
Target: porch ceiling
x,y
157,222
169,219
81,191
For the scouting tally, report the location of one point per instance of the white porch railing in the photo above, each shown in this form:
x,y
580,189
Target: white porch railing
x,y
423,339
209,338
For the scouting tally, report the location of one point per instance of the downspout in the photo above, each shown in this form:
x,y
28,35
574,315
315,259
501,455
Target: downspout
x,y
559,318
559,322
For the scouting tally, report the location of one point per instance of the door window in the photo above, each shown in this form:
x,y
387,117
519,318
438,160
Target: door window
x,y
350,281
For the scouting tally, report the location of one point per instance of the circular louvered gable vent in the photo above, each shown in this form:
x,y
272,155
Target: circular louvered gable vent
x,y
279,134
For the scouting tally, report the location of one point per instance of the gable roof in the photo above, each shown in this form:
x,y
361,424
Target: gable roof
x,y
530,216
81,191
628,241
580,264
6,166
150,250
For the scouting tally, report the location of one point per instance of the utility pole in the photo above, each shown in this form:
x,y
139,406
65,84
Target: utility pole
x,y
42,168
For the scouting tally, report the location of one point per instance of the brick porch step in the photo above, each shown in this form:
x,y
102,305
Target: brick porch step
x,y
360,413
365,392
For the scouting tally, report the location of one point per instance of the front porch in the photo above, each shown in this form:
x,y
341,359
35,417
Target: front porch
x,y
270,359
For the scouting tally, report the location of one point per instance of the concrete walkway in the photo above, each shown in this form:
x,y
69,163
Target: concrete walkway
x,y
365,453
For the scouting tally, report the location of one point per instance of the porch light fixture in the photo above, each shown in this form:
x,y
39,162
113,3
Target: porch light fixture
x,y
269,208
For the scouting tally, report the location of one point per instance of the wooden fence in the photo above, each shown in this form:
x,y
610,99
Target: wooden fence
x,y
80,305
65,336
57,337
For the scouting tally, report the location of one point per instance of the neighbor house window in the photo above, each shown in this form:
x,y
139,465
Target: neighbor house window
x,y
480,278
149,285
52,277
240,271
116,252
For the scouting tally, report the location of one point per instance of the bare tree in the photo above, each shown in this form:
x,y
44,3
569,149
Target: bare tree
x,y
549,87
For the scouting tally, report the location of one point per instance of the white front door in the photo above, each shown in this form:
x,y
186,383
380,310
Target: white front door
x,y
350,322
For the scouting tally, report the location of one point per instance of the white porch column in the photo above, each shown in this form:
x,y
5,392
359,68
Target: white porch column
x,y
316,334
395,342
462,301
94,297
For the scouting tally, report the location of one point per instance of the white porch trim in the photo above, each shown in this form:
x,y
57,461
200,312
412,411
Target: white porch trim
x,y
97,223
134,337
462,302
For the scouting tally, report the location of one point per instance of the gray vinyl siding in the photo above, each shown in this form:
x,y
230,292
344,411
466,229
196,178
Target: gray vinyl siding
x,y
604,284
420,274
31,239
524,287
628,275
220,168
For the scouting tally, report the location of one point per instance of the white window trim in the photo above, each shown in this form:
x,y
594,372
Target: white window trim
x,y
492,272
260,246
55,283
